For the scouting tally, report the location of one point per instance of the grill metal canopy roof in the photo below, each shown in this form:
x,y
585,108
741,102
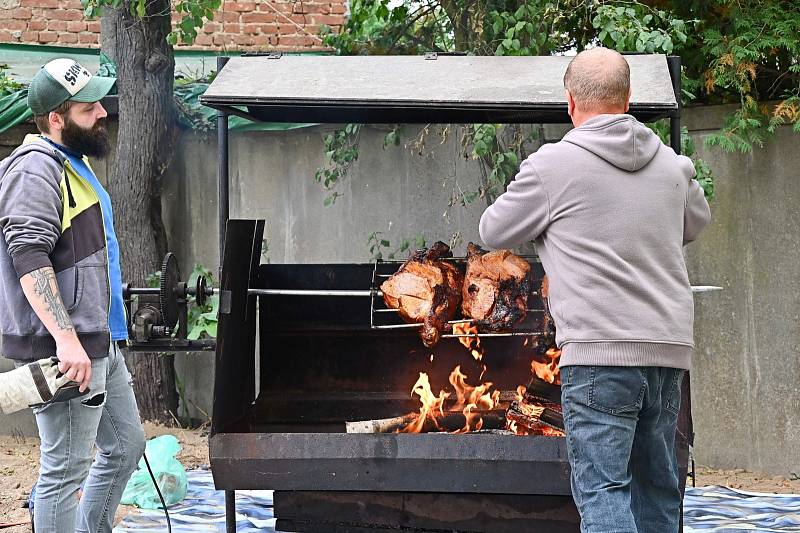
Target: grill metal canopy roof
x,y
419,89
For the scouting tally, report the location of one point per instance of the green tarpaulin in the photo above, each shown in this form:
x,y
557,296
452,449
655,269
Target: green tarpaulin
x,y
191,114
14,109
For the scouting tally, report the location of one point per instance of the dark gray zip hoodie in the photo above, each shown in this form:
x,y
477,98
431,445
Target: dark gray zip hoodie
x,y
609,208
50,216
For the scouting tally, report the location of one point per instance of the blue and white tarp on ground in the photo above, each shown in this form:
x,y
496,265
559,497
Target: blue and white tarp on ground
x,y
706,510
203,510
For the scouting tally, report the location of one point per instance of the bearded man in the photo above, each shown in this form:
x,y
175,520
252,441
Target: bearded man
x,y
62,297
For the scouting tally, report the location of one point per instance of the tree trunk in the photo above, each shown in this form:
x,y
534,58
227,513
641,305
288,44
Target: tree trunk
x,y
145,72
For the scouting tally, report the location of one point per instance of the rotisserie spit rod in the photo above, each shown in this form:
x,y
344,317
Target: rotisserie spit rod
x,y
336,292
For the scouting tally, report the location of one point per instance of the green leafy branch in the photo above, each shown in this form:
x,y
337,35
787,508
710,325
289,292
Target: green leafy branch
x,y
756,58
641,28
341,150
704,175
195,13
380,247
202,319
8,84
522,32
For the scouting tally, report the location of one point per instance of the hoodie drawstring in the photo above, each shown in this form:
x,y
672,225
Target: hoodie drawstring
x,y
72,203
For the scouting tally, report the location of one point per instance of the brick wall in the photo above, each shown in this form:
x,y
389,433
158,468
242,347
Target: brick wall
x,y
250,25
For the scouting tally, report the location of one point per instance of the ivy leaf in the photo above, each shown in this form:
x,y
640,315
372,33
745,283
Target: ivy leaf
x,y
196,331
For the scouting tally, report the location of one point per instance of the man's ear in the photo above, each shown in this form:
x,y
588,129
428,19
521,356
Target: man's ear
x,y
55,120
628,101
570,103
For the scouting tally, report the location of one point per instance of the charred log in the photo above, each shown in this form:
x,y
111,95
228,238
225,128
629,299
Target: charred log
x,y
457,421
534,418
538,391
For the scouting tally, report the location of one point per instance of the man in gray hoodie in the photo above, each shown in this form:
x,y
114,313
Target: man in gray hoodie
x,y
609,208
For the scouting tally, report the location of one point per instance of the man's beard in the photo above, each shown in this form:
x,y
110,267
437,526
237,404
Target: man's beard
x,y
88,141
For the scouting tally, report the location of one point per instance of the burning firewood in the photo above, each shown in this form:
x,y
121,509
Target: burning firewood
x,y
466,412
458,422
528,419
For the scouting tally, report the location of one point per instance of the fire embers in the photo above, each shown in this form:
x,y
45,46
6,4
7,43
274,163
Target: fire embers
x,y
530,414
426,290
496,289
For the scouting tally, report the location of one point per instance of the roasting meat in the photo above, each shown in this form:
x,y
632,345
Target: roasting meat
x,y
496,288
426,290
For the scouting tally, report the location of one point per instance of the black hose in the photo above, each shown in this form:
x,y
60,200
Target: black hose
x,y
163,503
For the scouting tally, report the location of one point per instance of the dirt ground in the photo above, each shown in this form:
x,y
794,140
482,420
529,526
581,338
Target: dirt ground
x,y
19,466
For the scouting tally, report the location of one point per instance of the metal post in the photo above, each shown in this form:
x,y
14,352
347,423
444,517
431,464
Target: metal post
x,y
222,181
230,511
674,66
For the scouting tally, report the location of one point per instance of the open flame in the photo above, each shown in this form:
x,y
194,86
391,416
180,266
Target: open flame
x,y
548,371
469,401
430,404
473,343
473,401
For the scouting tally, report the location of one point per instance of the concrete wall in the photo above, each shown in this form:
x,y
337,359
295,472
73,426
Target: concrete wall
x,y
746,378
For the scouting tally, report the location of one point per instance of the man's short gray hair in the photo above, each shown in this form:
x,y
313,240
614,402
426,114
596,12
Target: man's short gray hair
x,y
598,78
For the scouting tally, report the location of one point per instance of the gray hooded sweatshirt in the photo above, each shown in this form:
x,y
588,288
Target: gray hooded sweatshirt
x,y
609,208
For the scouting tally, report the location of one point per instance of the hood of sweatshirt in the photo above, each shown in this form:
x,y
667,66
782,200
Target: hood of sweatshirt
x,y
31,144
621,140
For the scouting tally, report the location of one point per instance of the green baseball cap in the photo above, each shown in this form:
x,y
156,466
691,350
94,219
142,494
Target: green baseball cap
x,y
65,79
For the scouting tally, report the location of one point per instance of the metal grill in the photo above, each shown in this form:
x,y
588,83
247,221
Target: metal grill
x,y
382,317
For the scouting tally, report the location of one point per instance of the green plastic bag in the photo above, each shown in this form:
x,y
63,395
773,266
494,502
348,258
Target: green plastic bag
x,y
169,472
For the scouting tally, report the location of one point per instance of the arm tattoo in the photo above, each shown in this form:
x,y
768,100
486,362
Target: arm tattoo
x,y
46,288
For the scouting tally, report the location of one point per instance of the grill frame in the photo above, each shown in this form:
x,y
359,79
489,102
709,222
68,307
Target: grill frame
x,y
317,460
234,393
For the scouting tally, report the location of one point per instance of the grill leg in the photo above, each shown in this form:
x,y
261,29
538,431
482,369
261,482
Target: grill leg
x,y
230,511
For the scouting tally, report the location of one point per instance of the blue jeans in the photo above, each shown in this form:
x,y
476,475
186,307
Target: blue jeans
x,y
106,418
620,425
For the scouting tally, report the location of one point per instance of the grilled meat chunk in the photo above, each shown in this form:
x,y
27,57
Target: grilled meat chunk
x,y
426,290
496,288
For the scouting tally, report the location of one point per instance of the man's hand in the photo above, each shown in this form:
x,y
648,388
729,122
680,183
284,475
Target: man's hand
x,y
74,363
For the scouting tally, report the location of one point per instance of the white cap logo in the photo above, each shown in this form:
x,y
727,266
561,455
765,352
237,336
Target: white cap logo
x,y
69,73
